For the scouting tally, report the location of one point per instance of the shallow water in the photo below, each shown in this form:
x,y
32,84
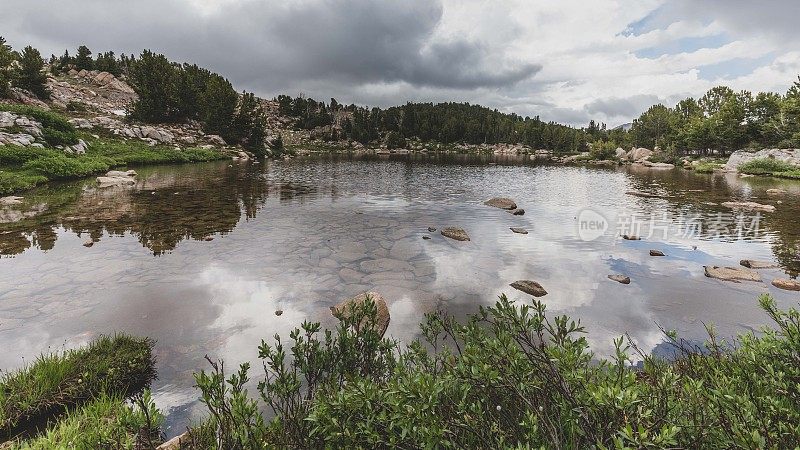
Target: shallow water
x,y
301,235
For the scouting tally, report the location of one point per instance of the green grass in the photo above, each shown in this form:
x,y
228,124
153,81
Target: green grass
x,y
23,168
56,130
707,167
119,365
766,166
106,422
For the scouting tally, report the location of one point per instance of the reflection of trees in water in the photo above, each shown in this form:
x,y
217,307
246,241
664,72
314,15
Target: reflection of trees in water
x,y
691,193
161,214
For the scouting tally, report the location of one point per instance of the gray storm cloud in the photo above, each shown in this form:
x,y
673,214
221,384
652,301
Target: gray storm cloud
x,y
270,47
387,52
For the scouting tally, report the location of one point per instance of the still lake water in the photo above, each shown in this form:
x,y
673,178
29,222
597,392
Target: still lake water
x,y
301,235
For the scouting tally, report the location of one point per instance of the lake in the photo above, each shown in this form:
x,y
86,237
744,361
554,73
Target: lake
x,y
200,257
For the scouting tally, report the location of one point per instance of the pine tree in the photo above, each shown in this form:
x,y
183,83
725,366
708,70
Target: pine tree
x,y
154,79
83,60
29,74
7,57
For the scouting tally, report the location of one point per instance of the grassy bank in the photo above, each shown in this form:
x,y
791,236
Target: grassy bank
x,y
23,168
117,366
770,167
106,422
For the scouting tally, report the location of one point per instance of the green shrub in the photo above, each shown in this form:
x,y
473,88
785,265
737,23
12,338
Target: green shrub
x,y
512,377
119,365
63,166
791,174
765,166
603,150
707,167
11,182
16,155
56,130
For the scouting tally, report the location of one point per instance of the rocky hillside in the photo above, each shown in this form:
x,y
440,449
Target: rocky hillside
x,y
98,102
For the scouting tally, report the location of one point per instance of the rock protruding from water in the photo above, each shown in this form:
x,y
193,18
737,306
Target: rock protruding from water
x,y
529,287
734,274
750,206
501,202
631,237
432,229
117,178
656,253
344,309
786,284
753,264
777,192
619,278
517,212
455,233
519,230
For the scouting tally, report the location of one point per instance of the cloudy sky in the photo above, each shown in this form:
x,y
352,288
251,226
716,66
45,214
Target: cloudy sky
x,y
566,60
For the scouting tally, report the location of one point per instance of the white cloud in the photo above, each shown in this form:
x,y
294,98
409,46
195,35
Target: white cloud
x,y
568,61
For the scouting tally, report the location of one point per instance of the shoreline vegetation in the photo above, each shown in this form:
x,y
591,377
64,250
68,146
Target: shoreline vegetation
x,y
508,376
128,100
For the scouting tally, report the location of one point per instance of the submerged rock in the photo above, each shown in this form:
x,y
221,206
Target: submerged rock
x,y
752,206
529,287
620,278
786,284
10,200
657,253
734,274
342,310
645,194
501,202
777,191
753,264
519,230
455,233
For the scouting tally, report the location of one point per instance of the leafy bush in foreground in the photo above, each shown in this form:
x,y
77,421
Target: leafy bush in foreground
x,y
510,377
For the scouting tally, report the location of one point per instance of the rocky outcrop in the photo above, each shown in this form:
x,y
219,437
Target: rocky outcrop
x,y
750,206
786,284
739,157
754,264
733,274
529,287
455,233
501,202
637,154
344,310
